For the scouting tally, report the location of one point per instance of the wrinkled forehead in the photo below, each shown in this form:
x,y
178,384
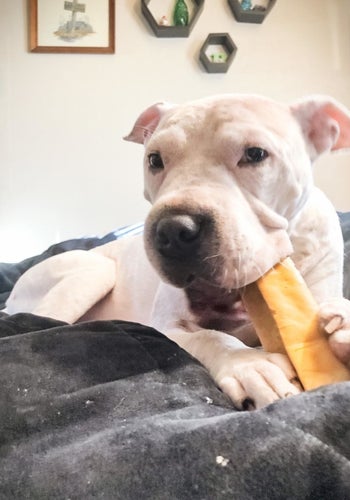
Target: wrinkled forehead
x,y
229,114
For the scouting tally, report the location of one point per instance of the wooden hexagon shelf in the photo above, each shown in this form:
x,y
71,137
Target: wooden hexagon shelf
x,y
217,52
254,15
172,31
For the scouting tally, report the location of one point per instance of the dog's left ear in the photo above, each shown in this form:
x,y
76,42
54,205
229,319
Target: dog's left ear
x,y
325,124
147,122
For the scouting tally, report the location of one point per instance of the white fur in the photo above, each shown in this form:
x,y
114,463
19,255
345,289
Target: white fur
x,y
262,214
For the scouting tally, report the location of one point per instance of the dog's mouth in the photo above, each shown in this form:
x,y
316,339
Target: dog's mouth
x,y
216,307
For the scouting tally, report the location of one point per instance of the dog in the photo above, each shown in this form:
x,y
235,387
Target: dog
x,y
230,182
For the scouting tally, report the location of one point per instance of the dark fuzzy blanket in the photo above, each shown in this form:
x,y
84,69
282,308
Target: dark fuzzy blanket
x,y
115,410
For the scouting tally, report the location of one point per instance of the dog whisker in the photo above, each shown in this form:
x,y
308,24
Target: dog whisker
x,y
214,256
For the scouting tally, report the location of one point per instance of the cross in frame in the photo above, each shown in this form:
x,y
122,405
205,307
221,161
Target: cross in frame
x,y
75,7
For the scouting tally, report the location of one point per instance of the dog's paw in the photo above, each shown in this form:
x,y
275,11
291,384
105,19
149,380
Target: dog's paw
x,y
334,316
253,378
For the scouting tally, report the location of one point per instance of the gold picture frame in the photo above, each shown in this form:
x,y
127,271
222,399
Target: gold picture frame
x,y
76,26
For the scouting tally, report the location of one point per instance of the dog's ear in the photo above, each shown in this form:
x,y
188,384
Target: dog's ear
x,y
147,122
325,124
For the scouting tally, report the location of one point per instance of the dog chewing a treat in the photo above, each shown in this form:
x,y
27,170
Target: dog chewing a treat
x,y
230,182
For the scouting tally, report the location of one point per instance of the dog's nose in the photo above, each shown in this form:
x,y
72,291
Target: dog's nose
x,y
177,236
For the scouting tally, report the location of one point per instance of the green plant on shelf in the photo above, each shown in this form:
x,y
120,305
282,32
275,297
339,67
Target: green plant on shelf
x,y
218,57
181,16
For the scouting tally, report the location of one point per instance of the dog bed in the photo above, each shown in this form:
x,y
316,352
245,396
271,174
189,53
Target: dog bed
x,y
115,410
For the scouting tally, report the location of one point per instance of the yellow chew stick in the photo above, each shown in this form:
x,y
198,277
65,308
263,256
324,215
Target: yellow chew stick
x,y
284,314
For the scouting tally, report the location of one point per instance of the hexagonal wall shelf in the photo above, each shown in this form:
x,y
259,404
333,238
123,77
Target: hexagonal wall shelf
x,y
172,31
217,52
255,15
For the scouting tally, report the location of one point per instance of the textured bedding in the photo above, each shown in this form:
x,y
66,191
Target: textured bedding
x,y
115,410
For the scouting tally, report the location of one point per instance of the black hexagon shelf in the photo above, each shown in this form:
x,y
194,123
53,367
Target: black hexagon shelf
x,y
255,15
217,52
172,31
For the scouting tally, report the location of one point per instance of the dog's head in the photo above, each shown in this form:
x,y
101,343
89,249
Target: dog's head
x,y
226,175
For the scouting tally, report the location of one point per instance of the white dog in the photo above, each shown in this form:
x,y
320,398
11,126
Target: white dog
x,y
230,181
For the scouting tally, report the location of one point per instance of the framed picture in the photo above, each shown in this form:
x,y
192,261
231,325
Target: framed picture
x,y
75,26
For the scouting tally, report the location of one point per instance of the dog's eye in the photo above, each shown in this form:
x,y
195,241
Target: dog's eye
x,y
253,155
155,162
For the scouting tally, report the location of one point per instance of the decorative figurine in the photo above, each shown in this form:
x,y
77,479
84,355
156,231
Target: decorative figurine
x,y
246,5
163,21
218,57
181,15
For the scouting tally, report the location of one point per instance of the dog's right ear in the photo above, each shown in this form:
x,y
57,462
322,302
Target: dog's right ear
x,y
147,122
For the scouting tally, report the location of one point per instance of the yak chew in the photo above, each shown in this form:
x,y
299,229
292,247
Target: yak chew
x,y
285,316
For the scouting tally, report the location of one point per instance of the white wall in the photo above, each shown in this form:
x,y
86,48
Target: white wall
x,y
65,170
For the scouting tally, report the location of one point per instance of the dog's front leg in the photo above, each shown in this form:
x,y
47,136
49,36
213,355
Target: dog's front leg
x,y
251,377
